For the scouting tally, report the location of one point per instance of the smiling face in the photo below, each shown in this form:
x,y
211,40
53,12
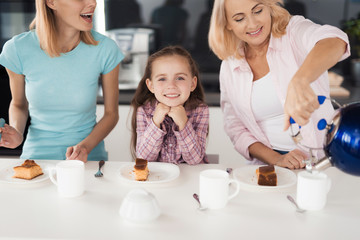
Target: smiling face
x,y
74,14
249,20
171,80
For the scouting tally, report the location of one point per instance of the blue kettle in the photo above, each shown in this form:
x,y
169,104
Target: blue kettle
x,y
342,140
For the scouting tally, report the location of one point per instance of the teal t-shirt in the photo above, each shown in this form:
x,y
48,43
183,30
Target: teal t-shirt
x,y
61,92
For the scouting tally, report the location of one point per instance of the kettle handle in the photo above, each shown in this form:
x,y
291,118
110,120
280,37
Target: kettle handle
x,y
322,123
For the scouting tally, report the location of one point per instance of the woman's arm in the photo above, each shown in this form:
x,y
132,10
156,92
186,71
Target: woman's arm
x,y
301,100
110,85
12,134
293,160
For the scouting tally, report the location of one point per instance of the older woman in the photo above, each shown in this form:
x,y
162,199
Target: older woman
x,y
274,65
54,72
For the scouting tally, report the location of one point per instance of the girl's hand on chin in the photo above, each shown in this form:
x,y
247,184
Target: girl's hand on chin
x,y
161,111
178,114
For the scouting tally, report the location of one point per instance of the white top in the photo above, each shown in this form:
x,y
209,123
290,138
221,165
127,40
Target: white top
x,y
269,113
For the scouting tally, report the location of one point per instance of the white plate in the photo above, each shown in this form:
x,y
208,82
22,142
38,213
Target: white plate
x,y
7,173
248,179
159,172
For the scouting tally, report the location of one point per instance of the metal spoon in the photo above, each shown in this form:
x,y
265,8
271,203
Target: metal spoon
x,y
298,209
201,208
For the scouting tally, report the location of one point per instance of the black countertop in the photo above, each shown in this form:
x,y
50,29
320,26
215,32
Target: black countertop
x,y
212,97
125,97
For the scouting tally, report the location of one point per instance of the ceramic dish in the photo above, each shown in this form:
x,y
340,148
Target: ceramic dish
x,y
7,173
248,179
159,172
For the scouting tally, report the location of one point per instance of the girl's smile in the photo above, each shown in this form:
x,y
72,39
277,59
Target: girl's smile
x,y
171,80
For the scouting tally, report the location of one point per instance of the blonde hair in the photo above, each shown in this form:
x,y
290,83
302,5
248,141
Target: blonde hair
x,y
44,24
224,43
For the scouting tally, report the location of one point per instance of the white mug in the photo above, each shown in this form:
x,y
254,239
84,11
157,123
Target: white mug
x,y
312,190
69,178
214,188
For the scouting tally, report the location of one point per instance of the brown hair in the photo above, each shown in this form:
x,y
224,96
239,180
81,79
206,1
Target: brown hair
x,y
224,43
44,23
143,95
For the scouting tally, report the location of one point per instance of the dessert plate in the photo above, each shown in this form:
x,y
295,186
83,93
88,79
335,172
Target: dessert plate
x,y
159,172
248,179
7,172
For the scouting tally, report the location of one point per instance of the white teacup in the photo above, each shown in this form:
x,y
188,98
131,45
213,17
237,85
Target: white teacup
x,y
69,178
312,190
214,188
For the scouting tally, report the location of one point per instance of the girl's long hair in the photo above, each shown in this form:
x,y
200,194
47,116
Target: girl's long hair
x,y
45,25
143,95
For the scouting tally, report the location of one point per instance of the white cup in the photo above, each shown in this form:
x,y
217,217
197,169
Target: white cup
x,y
312,190
214,188
69,178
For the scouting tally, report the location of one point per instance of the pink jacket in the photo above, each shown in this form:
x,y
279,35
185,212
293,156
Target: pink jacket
x,y
285,55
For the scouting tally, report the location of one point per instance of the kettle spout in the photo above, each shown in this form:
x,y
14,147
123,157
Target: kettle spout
x,y
321,165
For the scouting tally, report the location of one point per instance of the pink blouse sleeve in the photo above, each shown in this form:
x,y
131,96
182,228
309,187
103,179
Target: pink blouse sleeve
x,y
305,34
234,127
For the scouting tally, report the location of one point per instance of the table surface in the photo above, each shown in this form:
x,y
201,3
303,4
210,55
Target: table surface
x,y
35,211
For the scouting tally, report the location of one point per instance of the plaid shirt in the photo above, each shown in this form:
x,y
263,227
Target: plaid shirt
x,y
167,143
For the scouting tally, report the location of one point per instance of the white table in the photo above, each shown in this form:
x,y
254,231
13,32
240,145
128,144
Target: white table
x,y
37,212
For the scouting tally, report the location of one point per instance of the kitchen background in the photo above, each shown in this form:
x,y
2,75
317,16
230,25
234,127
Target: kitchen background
x,y
183,22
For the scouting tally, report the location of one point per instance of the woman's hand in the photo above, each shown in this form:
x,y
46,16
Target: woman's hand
x,y
10,137
78,152
300,102
161,111
293,160
178,114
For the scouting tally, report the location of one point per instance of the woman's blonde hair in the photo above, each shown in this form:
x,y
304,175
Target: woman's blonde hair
x,y
44,24
224,43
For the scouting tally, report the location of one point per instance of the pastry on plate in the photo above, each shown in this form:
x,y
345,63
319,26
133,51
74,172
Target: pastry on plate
x,y
28,170
266,176
141,170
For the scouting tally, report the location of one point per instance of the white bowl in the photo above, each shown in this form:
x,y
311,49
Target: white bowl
x,y
139,206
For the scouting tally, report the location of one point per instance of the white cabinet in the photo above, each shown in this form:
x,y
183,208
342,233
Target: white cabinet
x,y
117,143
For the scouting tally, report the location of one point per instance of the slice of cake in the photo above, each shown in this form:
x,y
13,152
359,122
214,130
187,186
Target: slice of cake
x,y
266,176
28,170
141,169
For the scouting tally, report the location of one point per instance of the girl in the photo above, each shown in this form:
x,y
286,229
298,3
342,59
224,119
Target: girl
x,y
54,72
170,118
